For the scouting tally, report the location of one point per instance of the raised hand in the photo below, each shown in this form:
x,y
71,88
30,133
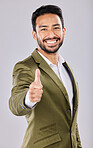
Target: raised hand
x,y
35,89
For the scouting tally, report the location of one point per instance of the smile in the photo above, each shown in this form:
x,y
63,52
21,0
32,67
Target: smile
x,y
51,42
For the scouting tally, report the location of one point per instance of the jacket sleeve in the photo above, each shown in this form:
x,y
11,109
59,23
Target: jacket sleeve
x,y
78,138
22,78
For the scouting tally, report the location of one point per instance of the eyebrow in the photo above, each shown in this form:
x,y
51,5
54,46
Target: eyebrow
x,y
43,26
47,26
56,25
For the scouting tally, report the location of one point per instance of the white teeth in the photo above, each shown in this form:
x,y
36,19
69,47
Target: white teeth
x,y
51,42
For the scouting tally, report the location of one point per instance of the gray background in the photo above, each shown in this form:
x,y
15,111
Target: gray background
x,y
16,43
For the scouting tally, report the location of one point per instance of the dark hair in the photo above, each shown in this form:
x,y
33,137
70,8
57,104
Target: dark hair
x,y
46,9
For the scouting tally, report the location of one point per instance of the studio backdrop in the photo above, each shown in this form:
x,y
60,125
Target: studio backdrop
x,y
16,43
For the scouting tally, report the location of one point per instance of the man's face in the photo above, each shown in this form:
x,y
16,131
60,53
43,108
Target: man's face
x,y
49,33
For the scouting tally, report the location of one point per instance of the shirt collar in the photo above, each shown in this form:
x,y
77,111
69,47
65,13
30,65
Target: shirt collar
x,y
60,60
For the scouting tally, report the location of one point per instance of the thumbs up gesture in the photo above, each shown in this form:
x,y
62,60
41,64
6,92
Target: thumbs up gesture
x,y
35,89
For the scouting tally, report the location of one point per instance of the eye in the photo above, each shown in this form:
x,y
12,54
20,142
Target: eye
x,y
43,29
56,28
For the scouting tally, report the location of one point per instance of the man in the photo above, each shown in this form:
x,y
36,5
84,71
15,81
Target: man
x,y
44,88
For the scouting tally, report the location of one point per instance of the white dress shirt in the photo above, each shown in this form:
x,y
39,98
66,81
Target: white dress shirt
x,y
61,72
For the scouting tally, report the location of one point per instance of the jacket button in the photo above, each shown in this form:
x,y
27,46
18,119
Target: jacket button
x,y
68,111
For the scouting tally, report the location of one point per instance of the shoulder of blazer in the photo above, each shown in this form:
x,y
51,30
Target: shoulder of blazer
x,y
27,63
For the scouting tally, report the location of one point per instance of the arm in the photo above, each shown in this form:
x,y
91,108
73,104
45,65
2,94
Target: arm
x,y
22,78
26,92
78,137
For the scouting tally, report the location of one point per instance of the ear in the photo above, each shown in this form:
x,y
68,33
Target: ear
x,y
64,30
34,35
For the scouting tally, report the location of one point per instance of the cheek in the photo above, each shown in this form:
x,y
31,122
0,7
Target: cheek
x,y
58,33
40,36
61,35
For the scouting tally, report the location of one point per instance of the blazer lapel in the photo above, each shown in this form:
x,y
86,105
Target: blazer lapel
x,y
70,75
45,67
75,88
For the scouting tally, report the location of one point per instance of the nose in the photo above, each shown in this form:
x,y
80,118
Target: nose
x,y
50,33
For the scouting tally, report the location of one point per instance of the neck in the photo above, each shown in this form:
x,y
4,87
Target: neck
x,y
52,57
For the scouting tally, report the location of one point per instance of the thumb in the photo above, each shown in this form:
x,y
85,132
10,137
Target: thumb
x,y
37,76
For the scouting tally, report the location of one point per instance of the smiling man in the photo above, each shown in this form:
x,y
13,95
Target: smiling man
x,y
44,88
49,33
